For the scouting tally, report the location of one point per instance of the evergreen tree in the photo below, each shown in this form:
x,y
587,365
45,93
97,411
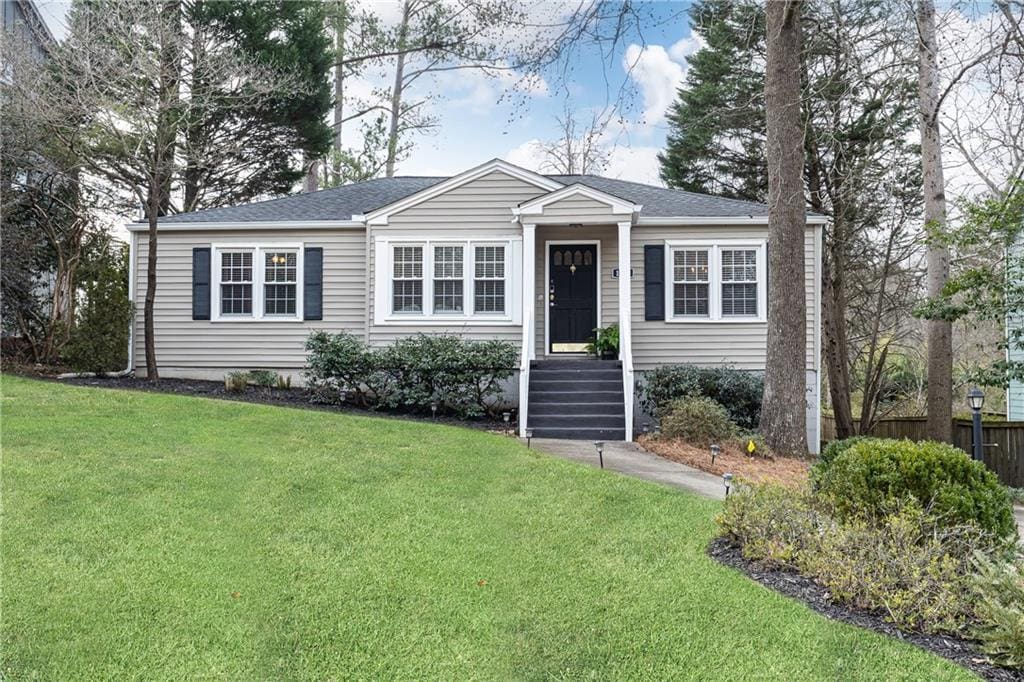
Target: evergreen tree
x,y
859,109
269,137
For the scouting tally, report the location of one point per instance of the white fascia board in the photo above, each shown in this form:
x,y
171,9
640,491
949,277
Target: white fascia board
x,y
279,225
375,217
618,205
717,220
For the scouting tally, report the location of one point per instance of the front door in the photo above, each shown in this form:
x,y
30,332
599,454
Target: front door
x,y
572,296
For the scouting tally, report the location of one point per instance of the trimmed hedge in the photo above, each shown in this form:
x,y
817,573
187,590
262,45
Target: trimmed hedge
x,y
700,421
739,392
872,477
461,377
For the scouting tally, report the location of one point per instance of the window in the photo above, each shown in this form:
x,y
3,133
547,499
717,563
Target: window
x,y
739,282
716,281
279,282
408,279
691,283
448,279
257,281
236,283
489,280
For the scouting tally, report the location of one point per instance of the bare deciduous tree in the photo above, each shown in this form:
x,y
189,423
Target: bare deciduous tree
x,y
579,149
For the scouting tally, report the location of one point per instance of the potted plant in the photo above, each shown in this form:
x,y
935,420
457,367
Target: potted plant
x,y
605,343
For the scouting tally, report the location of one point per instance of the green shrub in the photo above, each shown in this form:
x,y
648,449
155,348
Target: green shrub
x,y
605,341
1016,495
829,455
697,420
236,382
873,477
99,341
461,377
915,572
771,523
737,391
999,587
264,378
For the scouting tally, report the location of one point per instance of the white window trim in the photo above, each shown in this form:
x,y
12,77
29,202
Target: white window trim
x,y
714,248
258,275
383,299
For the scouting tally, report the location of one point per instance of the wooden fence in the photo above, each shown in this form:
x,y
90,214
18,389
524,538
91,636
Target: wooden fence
x,y
1003,441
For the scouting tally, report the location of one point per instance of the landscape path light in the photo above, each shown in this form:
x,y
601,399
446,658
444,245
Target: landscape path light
x,y
716,450
599,446
529,435
727,480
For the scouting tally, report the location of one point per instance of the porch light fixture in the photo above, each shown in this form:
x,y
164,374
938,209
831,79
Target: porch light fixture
x,y
529,435
599,446
727,480
976,400
716,450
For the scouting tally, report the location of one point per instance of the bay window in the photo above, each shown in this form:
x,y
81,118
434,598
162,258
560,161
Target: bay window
x,y
722,281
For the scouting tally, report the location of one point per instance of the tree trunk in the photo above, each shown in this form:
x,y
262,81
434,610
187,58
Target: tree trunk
x,y
940,332
396,91
836,350
784,412
340,25
311,182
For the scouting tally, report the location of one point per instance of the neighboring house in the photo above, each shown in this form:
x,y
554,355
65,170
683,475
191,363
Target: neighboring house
x,y
1014,353
497,252
21,19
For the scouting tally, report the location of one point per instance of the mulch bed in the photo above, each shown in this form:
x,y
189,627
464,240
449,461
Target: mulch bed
x,y
792,584
290,397
790,471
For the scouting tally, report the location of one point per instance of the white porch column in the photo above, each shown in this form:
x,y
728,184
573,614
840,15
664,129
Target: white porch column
x,y
529,314
625,322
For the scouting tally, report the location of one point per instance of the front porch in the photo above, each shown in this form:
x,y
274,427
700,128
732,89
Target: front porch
x,y
575,278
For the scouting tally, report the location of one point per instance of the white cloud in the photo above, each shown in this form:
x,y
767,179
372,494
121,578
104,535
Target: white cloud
x,y
658,78
681,50
637,164
527,155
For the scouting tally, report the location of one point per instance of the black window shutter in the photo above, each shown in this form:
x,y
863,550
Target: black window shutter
x,y
313,284
201,283
654,282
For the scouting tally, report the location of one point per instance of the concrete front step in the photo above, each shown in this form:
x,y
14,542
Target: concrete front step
x,y
579,434
575,396
576,374
611,408
573,385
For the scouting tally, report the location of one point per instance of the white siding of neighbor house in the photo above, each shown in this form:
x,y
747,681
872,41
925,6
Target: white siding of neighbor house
x,y
738,344
207,349
1015,390
479,209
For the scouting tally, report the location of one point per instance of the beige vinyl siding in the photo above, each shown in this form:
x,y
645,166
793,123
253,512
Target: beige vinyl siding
x,y
578,209
186,344
480,209
608,236
739,344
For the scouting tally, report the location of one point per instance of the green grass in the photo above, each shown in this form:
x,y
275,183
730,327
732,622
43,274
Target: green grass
x,y
160,537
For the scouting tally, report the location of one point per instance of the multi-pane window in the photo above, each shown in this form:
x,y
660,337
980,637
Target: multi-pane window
x,y
739,282
407,279
236,283
489,279
280,279
691,282
448,279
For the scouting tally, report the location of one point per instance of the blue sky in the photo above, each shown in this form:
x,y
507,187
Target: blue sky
x,y
475,127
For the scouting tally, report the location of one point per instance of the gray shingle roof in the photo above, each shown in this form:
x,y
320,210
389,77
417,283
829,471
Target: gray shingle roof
x,y
341,203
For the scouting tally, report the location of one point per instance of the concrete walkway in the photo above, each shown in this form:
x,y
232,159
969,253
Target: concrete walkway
x,y
631,460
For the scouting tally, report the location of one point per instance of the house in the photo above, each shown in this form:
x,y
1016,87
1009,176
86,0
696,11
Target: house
x,y
495,252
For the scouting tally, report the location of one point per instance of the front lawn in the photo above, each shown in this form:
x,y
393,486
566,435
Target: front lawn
x,y
160,537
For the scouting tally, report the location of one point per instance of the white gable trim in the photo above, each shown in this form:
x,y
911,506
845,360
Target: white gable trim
x,y
380,215
536,206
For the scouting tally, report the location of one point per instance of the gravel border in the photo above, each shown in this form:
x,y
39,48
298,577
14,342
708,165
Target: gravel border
x,y
792,584
297,397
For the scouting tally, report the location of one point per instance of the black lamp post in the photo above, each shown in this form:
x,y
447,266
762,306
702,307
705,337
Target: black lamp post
x,y
976,400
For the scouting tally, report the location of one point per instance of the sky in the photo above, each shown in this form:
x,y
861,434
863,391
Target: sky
x,y
476,124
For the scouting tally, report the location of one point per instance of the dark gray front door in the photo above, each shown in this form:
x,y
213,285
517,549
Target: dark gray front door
x,y
572,296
